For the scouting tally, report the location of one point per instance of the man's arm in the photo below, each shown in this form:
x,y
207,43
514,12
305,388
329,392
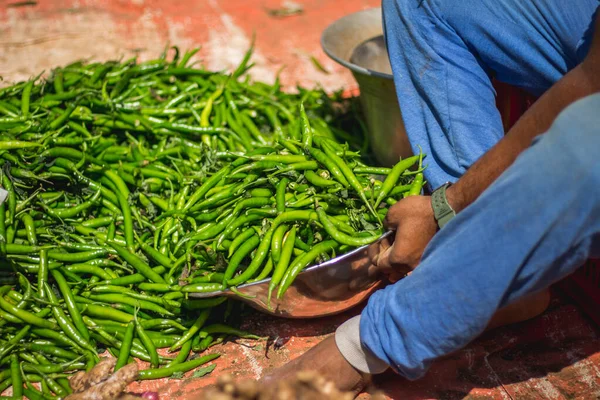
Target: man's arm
x,y
413,217
582,81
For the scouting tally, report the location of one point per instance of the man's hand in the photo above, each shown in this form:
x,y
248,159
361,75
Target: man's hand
x,y
412,219
325,359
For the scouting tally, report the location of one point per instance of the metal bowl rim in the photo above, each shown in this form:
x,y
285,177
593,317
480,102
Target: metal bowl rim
x,y
347,64
304,271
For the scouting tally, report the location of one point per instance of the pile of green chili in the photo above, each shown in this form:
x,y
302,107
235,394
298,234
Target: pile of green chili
x,y
131,185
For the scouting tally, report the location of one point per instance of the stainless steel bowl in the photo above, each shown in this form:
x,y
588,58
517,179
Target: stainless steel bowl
x,y
321,290
356,42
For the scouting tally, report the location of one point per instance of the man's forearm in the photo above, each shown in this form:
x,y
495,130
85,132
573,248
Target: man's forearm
x,y
580,82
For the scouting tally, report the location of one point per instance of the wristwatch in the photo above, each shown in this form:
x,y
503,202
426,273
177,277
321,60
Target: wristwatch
x,y
442,211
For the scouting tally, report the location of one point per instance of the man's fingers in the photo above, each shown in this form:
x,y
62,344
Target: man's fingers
x,y
395,277
396,214
388,252
390,260
392,219
374,251
383,261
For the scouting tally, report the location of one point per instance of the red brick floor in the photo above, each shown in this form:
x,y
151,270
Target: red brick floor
x,y
555,356
51,33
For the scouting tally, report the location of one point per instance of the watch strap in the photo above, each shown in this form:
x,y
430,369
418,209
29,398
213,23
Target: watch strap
x,y
442,211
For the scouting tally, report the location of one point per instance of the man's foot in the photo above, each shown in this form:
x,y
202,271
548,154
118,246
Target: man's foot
x,y
526,308
326,360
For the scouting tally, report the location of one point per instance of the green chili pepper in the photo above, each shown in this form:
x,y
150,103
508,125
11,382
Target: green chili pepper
x,y
125,349
137,263
134,278
277,242
302,262
78,257
192,331
11,343
148,344
98,311
208,108
341,237
184,353
183,367
201,287
54,368
417,185
331,166
70,303
280,195
393,176
58,338
88,269
283,262
143,304
62,118
228,330
238,256
241,238
162,323
16,377
42,273
307,134
25,315
65,324
235,224
204,188
53,351
349,175
71,212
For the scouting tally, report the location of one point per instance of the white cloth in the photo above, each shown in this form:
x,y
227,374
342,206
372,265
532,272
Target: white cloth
x,y
3,195
347,339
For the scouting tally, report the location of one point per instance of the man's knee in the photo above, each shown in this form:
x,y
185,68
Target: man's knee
x,y
576,131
